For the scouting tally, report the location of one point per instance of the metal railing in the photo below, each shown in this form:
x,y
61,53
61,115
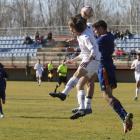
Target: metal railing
x,y
56,59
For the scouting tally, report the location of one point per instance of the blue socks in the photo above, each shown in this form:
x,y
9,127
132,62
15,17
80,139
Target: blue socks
x,y
1,110
118,108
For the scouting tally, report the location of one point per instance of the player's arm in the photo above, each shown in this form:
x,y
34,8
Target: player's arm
x,y
72,41
73,60
133,66
70,49
5,75
58,71
35,67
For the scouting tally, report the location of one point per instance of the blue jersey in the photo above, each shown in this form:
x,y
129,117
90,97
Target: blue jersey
x,y
3,75
106,48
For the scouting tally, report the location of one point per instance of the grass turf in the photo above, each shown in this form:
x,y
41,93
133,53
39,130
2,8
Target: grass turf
x,y
31,114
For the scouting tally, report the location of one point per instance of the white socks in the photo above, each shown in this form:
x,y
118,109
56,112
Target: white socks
x,y
81,99
88,102
137,92
39,82
71,83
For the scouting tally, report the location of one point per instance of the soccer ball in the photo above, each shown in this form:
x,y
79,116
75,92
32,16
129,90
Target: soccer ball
x,y
87,12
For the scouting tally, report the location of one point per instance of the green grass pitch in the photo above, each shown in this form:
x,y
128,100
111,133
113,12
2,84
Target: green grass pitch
x,y
31,114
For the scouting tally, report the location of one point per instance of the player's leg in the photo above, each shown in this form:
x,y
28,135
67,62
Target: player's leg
x,y
40,76
37,77
2,100
90,91
107,81
81,98
59,83
71,83
137,90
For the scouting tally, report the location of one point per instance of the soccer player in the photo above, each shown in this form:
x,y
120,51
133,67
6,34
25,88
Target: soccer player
x,y
106,72
50,71
62,70
90,56
136,66
86,100
39,69
3,79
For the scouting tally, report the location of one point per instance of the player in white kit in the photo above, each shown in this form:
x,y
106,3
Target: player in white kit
x,y
136,65
90,56
90,83
39,69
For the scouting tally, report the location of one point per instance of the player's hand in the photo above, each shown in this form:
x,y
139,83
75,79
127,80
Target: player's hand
x,y
69,61
6,79
70,49
84,64
72,40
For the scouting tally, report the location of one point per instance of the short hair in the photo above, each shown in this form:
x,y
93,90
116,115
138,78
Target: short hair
x,y
78,16
38,59
76,24
100,23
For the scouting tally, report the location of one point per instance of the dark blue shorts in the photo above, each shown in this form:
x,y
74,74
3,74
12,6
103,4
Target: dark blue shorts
x,y
107,77
2,95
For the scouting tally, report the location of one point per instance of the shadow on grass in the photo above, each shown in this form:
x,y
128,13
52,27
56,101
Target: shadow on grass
x,y
43,117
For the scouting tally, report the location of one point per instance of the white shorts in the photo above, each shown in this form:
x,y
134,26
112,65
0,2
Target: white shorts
x,y
91,68
137,76
38,74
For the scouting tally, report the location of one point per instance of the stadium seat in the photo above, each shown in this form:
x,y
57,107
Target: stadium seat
x,y
127,45
136,45
118,45
132,45
22,37
135,40
27,50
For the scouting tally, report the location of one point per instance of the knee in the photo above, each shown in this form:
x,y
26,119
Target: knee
x,y
3,101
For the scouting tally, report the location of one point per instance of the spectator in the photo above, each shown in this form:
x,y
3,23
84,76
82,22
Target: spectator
x,y
133,53
109,30
112,32
39,40
117,53
122,35
28,40
36,35
122,52
127,34
117,35
49,36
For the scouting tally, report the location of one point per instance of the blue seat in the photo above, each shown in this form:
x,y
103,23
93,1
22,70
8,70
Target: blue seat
x,y
136,40
23,50
4,38
15,38
19,46
131,40
118,45
9,54
27,50
24,46
132,45
136,45
8,38
22,37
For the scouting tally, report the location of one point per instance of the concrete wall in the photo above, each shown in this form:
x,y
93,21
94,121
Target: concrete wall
x,y
20,75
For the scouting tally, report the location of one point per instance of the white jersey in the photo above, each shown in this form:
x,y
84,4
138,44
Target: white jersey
x,y
136,64
87,43
90,29
38,68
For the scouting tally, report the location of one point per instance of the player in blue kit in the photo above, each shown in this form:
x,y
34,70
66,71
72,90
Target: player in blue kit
x,y
3,79
106,72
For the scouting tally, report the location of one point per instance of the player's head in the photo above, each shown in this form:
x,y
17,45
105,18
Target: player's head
x,y
78,16
100,28
38,61
76,25
51,62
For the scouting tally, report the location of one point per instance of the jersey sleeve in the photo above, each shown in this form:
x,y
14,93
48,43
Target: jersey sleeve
x,y
91,45
5,75
35,67
133,64
59,68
